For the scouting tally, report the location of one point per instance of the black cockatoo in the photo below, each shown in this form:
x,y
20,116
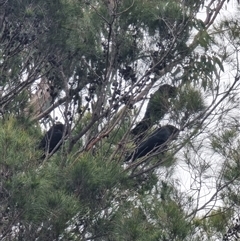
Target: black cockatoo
x,y
157,107
154,142
52,138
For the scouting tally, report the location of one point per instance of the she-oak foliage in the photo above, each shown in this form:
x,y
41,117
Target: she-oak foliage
x,y
96,65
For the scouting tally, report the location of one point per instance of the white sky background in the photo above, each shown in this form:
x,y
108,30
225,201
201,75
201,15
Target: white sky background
x,y
190,180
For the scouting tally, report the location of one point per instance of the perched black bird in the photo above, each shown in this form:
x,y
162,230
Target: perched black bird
x,y
158,138
52,138
157,107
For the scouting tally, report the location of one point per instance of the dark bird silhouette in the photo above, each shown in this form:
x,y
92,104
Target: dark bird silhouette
x,y
51,139
157,107
154,142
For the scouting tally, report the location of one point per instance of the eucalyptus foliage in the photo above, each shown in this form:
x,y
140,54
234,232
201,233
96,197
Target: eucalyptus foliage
x,y
97,67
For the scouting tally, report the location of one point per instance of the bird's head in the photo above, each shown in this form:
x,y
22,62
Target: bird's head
x,y
174,130
170,91
59,126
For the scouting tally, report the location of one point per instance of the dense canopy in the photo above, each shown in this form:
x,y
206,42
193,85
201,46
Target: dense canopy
x,y
155,82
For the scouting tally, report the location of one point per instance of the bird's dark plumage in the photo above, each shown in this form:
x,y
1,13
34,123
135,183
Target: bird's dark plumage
x,y
157,107
141,127
158,138
51,139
